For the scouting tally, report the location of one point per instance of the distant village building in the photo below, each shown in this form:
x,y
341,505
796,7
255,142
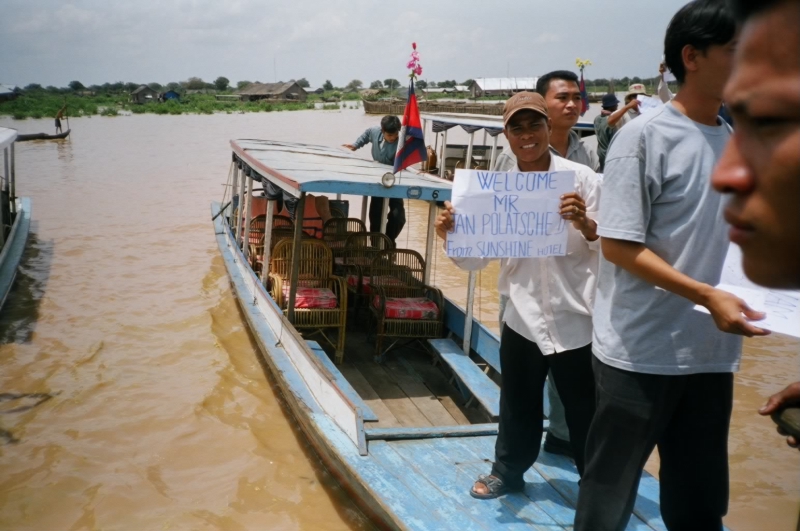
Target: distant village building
x,y
143,94
502,86
8,92
273,91
170,95
458,89
201,91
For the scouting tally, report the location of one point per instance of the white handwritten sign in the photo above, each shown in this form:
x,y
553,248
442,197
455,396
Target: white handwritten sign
x,y
509,215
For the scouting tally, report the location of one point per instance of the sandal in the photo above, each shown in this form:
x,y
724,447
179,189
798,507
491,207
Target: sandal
x,y
494,485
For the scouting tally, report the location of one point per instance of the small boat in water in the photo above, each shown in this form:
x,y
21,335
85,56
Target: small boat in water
x,y
15,216
402,410
42,136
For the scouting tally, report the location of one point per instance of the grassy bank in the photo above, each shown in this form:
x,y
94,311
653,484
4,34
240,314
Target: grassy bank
x,y
40,104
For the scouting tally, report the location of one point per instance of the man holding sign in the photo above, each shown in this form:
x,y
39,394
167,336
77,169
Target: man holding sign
x,y
548,320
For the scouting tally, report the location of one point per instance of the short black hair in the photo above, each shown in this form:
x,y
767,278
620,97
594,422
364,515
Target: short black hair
x,y
390,124
701,24
745,9
543,84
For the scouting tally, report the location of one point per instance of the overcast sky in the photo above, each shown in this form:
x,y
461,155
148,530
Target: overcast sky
x,y
53,42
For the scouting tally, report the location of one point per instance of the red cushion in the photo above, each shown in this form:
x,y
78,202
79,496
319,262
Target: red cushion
x,y
319,298
409,308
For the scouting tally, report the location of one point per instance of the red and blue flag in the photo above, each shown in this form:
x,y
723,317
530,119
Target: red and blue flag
x,y
584,96
411,144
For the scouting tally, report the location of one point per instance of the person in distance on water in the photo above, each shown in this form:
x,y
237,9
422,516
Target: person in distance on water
x,y
760,168
664,371
384,147
548,319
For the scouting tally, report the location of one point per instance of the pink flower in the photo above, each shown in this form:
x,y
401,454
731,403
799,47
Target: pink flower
x,y
415,56
418,70
411,64
414,45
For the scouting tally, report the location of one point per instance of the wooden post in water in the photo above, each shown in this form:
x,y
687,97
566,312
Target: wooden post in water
x,y
13,180
430,241
468,319
442,158
298,239
248,213
267,241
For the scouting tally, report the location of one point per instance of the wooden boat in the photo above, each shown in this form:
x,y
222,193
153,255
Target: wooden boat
x,y
14,212
42,136
405,438
397,106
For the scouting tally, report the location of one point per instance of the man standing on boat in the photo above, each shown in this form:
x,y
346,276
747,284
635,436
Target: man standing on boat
x,y
664,371
59,116
548,318
761,167
562,94
384,146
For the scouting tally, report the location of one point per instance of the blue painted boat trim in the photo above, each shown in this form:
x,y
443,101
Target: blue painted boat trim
x,y
14,247
483,341
479,385
431,432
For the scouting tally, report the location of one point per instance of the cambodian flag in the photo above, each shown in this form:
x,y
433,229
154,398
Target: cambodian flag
x,y
584,96
411,144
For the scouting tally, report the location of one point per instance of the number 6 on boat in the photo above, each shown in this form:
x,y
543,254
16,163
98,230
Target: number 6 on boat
x,y
508,214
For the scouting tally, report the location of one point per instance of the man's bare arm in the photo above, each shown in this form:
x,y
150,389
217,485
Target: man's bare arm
x,y
730,313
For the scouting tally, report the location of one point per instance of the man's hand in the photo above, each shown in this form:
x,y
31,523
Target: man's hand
x,y
788,397
573,208
351,147
662,68
633,104
731,314
444,221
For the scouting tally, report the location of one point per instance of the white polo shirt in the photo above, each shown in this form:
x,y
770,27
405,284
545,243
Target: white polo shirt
x,y
551,298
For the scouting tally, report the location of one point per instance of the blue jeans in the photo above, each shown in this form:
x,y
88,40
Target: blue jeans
x,y
558,422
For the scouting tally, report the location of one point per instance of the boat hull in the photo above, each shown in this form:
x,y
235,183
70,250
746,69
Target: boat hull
x,y
14,247
42,136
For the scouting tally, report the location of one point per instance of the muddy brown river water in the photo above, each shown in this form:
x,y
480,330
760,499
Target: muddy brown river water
x,y
162,417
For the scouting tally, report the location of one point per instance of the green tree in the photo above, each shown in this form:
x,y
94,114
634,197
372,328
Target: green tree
x,y
76,86
421,83
303,82
391,83
33,86
377,84
354,84
172,85
221,83
432,84
468,83
327,85
194,83
158,87
130,87
242,84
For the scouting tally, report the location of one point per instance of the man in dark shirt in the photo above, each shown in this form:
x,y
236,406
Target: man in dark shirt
x,y
384,146
604,131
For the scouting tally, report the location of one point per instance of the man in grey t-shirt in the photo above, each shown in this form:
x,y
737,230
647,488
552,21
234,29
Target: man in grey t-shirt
x,y
664,372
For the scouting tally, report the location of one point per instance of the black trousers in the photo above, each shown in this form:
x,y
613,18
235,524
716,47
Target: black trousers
x,y
523,371
395,220
687,417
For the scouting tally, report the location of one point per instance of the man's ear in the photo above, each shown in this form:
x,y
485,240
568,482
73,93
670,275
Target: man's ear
x,y
549,125
689,56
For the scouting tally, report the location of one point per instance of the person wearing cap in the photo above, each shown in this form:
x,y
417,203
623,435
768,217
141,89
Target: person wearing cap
x,y
603,131
631,108
548,318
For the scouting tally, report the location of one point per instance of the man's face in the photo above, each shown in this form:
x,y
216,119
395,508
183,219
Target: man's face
x,y
761,166
563,103
390,137
714,67
528,134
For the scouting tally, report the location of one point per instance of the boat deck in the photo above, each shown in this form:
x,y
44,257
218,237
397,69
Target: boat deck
x,y
406,389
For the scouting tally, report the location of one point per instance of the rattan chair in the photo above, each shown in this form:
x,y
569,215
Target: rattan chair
x,y
255,242
356,260
282,222
336,230
321,299
403,306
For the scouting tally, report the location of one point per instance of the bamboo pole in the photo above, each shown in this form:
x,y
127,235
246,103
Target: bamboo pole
x,y
431,239
248,214
384,214
267,241
442,159
13,177
468,317
493,158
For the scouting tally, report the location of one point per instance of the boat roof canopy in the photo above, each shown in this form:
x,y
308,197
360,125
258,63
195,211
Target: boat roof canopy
x,y
7,137
296,168
492,123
